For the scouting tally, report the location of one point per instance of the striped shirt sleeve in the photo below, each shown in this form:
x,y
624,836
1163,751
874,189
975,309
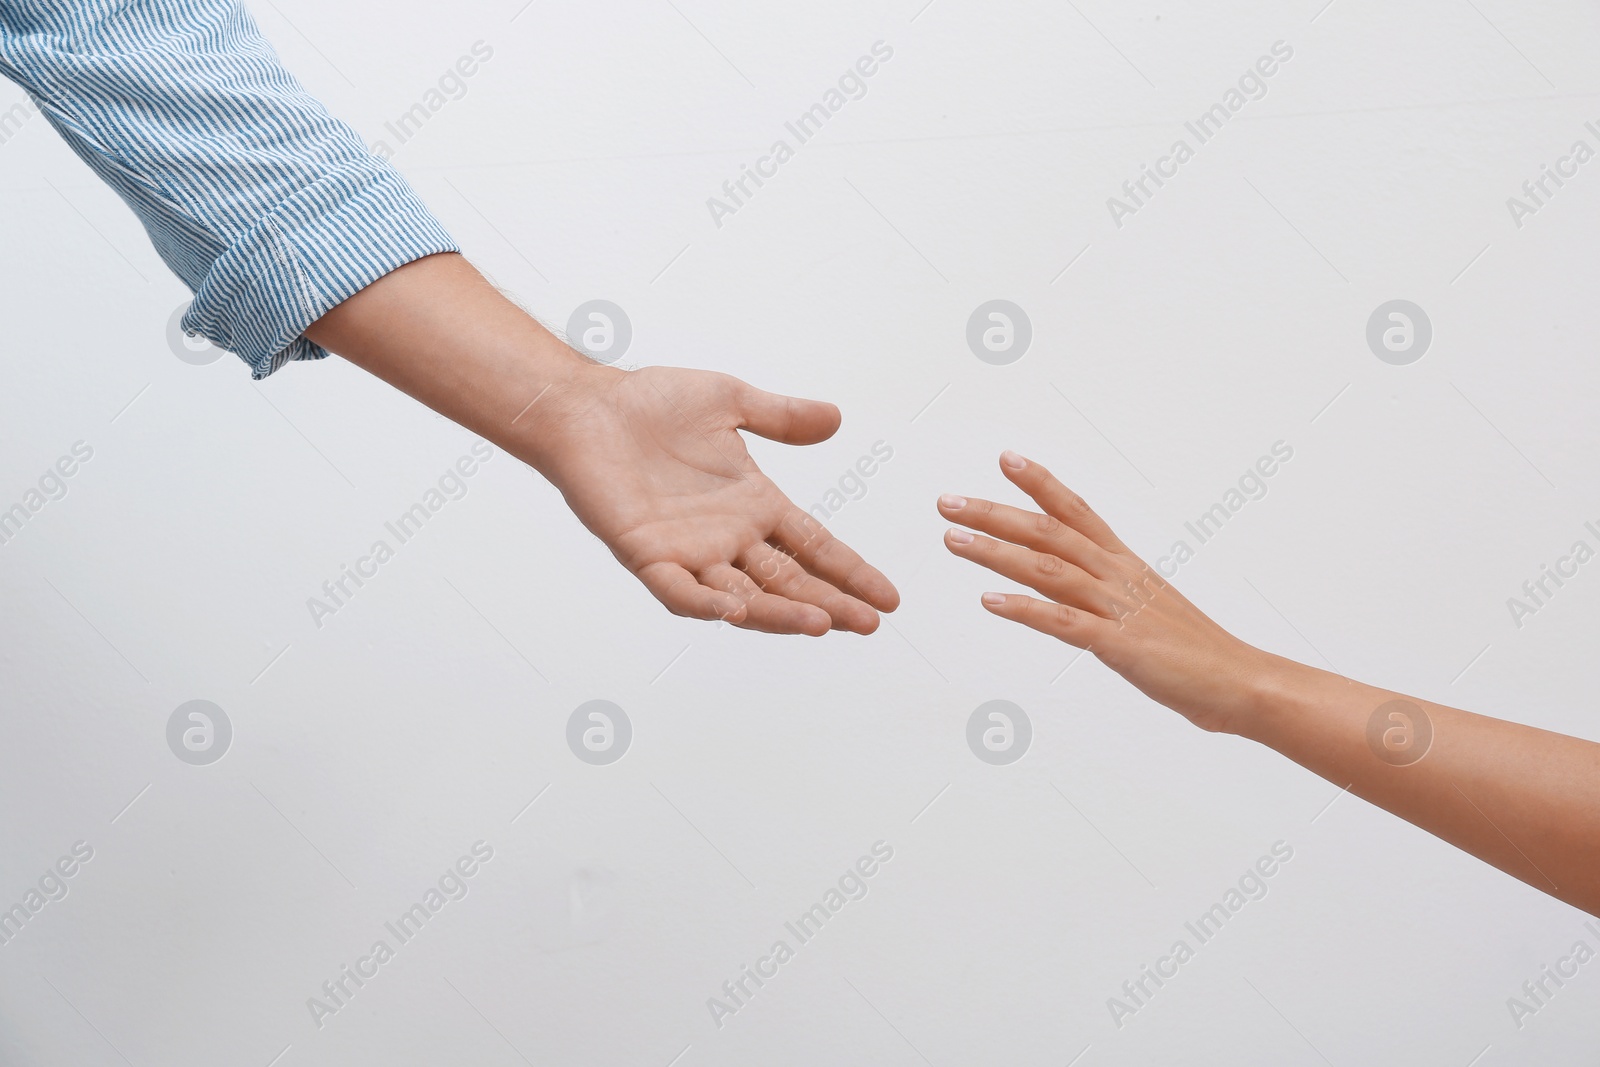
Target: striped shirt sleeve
x,y
270,209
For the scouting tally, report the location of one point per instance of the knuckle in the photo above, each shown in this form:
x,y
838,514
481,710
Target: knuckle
x,y
1142,577
1046,525
848,583
802,527
1048,565
1063,616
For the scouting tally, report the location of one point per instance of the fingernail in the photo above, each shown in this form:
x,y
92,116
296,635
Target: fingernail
x,y
1012,460
960,537
993,600
951,502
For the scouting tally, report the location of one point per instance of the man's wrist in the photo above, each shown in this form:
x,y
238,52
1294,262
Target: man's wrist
x,y
438,331
561,386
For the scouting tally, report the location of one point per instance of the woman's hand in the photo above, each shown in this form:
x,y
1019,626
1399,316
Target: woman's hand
x,y
1523,799
1104,599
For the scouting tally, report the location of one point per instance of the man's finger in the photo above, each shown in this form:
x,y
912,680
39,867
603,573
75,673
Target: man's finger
x,y
764,611
835,562
779,574
1059,501
787,419
683,594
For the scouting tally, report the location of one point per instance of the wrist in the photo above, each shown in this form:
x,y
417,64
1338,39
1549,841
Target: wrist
x,y
563,387
1273,687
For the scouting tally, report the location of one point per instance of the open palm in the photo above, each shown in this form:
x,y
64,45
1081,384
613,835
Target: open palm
x,y
655,467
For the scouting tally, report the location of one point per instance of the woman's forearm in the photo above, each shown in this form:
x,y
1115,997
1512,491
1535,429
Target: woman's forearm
x,y
1524,799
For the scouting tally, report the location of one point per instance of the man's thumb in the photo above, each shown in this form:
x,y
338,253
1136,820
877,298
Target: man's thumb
x,y
788,419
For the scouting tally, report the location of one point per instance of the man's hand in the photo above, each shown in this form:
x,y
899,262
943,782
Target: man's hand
x,y
650,461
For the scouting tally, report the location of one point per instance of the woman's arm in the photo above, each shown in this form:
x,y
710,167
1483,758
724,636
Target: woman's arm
x,y
1523,799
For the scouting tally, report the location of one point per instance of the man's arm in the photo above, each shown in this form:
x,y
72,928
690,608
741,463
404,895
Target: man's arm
x,y
268,208
1524,799
293,236
651,461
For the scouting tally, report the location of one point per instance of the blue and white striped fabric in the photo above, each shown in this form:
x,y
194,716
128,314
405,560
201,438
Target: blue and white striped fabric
x,y
271,210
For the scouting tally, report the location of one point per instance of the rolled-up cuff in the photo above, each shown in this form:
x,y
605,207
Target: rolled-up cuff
x,y
314,251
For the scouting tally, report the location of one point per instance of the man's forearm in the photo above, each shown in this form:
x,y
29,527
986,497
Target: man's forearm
x,y
438,331
652,461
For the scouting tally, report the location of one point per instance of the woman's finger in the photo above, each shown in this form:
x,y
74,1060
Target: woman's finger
x,y
1061,621
1059,501
1051,575
1044,533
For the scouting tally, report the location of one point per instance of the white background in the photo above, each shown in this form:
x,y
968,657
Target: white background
x,y
1228,314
